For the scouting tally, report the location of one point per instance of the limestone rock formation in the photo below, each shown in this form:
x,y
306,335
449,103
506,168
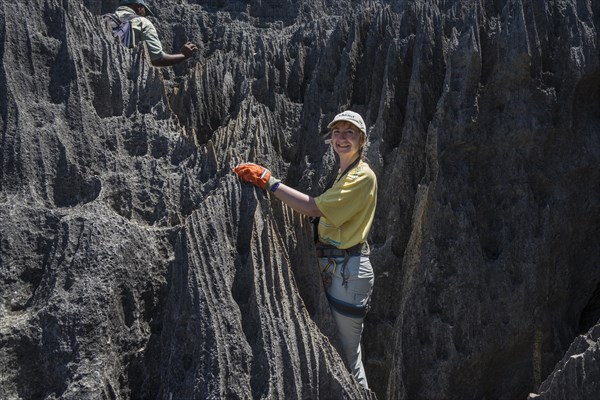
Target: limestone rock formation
x,y
576,375
133,263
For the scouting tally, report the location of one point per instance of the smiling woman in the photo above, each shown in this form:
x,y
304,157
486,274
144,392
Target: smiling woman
x,y
346,139
345,213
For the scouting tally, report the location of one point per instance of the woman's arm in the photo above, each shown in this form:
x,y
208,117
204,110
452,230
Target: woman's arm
x,y
299,201
261,177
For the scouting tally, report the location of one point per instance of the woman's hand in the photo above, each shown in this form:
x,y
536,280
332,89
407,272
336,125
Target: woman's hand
x,y
255,174
261,177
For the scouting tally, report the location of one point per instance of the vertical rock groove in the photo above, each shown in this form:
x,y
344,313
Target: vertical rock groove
x,y
133,264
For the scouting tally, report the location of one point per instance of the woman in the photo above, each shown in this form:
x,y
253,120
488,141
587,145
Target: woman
x,y
345,213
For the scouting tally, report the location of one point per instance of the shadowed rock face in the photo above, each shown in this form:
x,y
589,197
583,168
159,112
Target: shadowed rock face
x,y
134,264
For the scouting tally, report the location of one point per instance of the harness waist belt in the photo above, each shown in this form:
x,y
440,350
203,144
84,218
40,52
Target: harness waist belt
x,y
324,250
348,309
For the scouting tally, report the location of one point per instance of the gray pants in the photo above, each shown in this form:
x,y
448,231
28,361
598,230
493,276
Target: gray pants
x,y
352,284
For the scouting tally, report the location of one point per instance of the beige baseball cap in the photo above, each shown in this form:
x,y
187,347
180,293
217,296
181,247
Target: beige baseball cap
x,y
352,117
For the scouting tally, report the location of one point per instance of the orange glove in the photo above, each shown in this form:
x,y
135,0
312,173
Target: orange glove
x,y
257,175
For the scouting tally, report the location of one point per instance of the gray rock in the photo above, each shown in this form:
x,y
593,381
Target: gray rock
x,y
575,376
133,264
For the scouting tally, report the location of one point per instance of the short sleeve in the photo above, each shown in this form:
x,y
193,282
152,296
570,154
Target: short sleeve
x,y
150,36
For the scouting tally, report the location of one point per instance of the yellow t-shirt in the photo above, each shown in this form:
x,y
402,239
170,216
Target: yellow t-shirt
x,y
348,208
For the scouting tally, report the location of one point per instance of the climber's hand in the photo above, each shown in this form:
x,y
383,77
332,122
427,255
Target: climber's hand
x,y
254,174
188,49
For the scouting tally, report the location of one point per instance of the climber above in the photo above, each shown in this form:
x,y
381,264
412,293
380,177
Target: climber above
x,y
144,30
344,215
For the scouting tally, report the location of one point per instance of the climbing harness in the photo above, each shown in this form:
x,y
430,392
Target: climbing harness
x,y
348,309
326,274
332,253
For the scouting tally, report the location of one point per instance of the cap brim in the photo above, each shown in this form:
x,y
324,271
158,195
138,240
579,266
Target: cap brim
x,y
335,121
148,11
329,125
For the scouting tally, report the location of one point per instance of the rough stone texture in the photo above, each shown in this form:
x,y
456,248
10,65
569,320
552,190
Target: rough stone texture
x,y
133,263
576,375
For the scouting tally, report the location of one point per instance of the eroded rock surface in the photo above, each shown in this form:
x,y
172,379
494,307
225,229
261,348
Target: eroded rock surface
x,y
134,264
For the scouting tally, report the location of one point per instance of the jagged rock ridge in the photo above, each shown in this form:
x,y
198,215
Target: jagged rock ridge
x,y
134,265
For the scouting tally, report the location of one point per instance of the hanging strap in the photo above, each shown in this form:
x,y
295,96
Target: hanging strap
x,y
334,180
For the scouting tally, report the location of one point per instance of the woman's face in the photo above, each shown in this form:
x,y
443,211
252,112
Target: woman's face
x,y
346,139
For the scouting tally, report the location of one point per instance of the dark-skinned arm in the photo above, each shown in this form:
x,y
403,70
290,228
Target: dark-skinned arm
x,y
187,50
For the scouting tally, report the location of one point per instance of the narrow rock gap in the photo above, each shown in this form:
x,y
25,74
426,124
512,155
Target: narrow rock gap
x,y
590,313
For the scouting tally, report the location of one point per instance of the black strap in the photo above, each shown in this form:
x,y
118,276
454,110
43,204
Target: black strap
x,y
347,309
333,180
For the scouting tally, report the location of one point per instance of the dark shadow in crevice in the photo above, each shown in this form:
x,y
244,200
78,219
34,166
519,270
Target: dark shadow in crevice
x,y
590,315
